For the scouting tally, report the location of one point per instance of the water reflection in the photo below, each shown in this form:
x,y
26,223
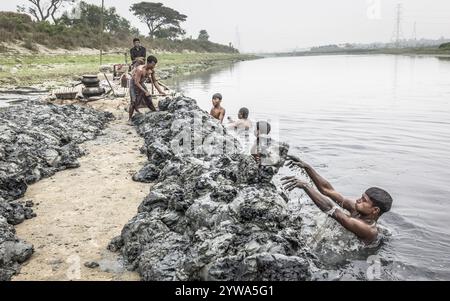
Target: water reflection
x,y
203,79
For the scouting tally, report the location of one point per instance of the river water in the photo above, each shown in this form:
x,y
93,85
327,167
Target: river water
x,y
362,121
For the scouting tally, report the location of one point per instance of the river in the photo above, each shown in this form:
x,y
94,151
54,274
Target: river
x,y
362,121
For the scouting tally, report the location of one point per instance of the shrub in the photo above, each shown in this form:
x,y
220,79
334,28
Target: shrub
x,y
14,22
445,46
30,45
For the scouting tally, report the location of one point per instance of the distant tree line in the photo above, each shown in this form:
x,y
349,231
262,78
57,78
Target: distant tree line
x,y
163,22
66,24
445,46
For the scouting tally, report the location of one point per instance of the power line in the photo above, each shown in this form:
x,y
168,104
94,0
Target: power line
x,y
238,39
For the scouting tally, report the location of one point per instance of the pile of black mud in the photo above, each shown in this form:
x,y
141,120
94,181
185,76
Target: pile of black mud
x,y
213,212
36,141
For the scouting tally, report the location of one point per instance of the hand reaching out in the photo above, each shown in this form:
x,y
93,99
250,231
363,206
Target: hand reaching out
x,y
293,158
291,183
296,163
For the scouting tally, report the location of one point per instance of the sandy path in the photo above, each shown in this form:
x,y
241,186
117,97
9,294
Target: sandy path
x,y
79,211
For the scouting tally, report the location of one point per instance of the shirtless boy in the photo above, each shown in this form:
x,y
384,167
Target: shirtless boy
x,y
217,111
357,216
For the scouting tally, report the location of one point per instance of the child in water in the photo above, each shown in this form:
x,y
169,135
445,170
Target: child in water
x,y
243,123
217,111
359,216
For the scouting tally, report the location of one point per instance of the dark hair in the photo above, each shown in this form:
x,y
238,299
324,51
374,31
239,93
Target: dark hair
x,y
244,112
217,96
381,199
151,59
136,40
264,127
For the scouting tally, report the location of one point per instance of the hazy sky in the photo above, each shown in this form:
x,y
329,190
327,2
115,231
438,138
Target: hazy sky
x,y
281,25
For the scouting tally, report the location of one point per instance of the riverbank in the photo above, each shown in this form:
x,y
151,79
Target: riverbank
x,y
213,213
52,71
37,141
194,209
81,210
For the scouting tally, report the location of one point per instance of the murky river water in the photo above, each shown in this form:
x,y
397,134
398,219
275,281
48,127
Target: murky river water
x,y
362,121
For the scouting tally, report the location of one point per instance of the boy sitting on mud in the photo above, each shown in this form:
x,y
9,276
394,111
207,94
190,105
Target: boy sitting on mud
x,y
217,111
363,213
243,123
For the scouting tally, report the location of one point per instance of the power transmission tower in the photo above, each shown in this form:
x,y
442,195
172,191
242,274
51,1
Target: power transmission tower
x,y
415,33
238,39
398,26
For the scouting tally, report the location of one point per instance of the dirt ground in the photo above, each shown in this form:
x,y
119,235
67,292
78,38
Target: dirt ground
x,y
80,210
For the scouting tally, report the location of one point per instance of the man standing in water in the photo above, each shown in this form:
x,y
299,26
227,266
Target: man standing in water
x,y
364,212
140,96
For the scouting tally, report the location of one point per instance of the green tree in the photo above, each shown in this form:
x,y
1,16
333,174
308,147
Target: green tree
x,y
44,10
161,20
89,16
445,46
170,33
203,35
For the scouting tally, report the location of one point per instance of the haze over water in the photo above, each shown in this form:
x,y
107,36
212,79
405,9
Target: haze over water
x,y
362,121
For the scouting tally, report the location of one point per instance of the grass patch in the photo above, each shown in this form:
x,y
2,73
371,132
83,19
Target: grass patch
x,y
36,69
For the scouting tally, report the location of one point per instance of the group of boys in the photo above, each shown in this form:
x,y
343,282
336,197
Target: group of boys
x,y
357,216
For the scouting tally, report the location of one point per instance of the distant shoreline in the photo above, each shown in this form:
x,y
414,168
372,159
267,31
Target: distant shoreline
x,y
436,52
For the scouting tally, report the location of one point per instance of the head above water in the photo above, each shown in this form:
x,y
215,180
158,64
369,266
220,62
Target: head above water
x,y
243,113
152,61
217,99
262,128
374,202
137,42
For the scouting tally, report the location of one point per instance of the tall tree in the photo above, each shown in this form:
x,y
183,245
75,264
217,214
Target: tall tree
x,y
159,18
44,10
203,35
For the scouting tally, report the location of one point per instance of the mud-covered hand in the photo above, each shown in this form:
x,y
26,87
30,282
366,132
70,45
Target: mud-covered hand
x,y
291,183
297,163
293,158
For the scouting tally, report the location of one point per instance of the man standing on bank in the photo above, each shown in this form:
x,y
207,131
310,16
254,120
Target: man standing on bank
x,y
138,52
